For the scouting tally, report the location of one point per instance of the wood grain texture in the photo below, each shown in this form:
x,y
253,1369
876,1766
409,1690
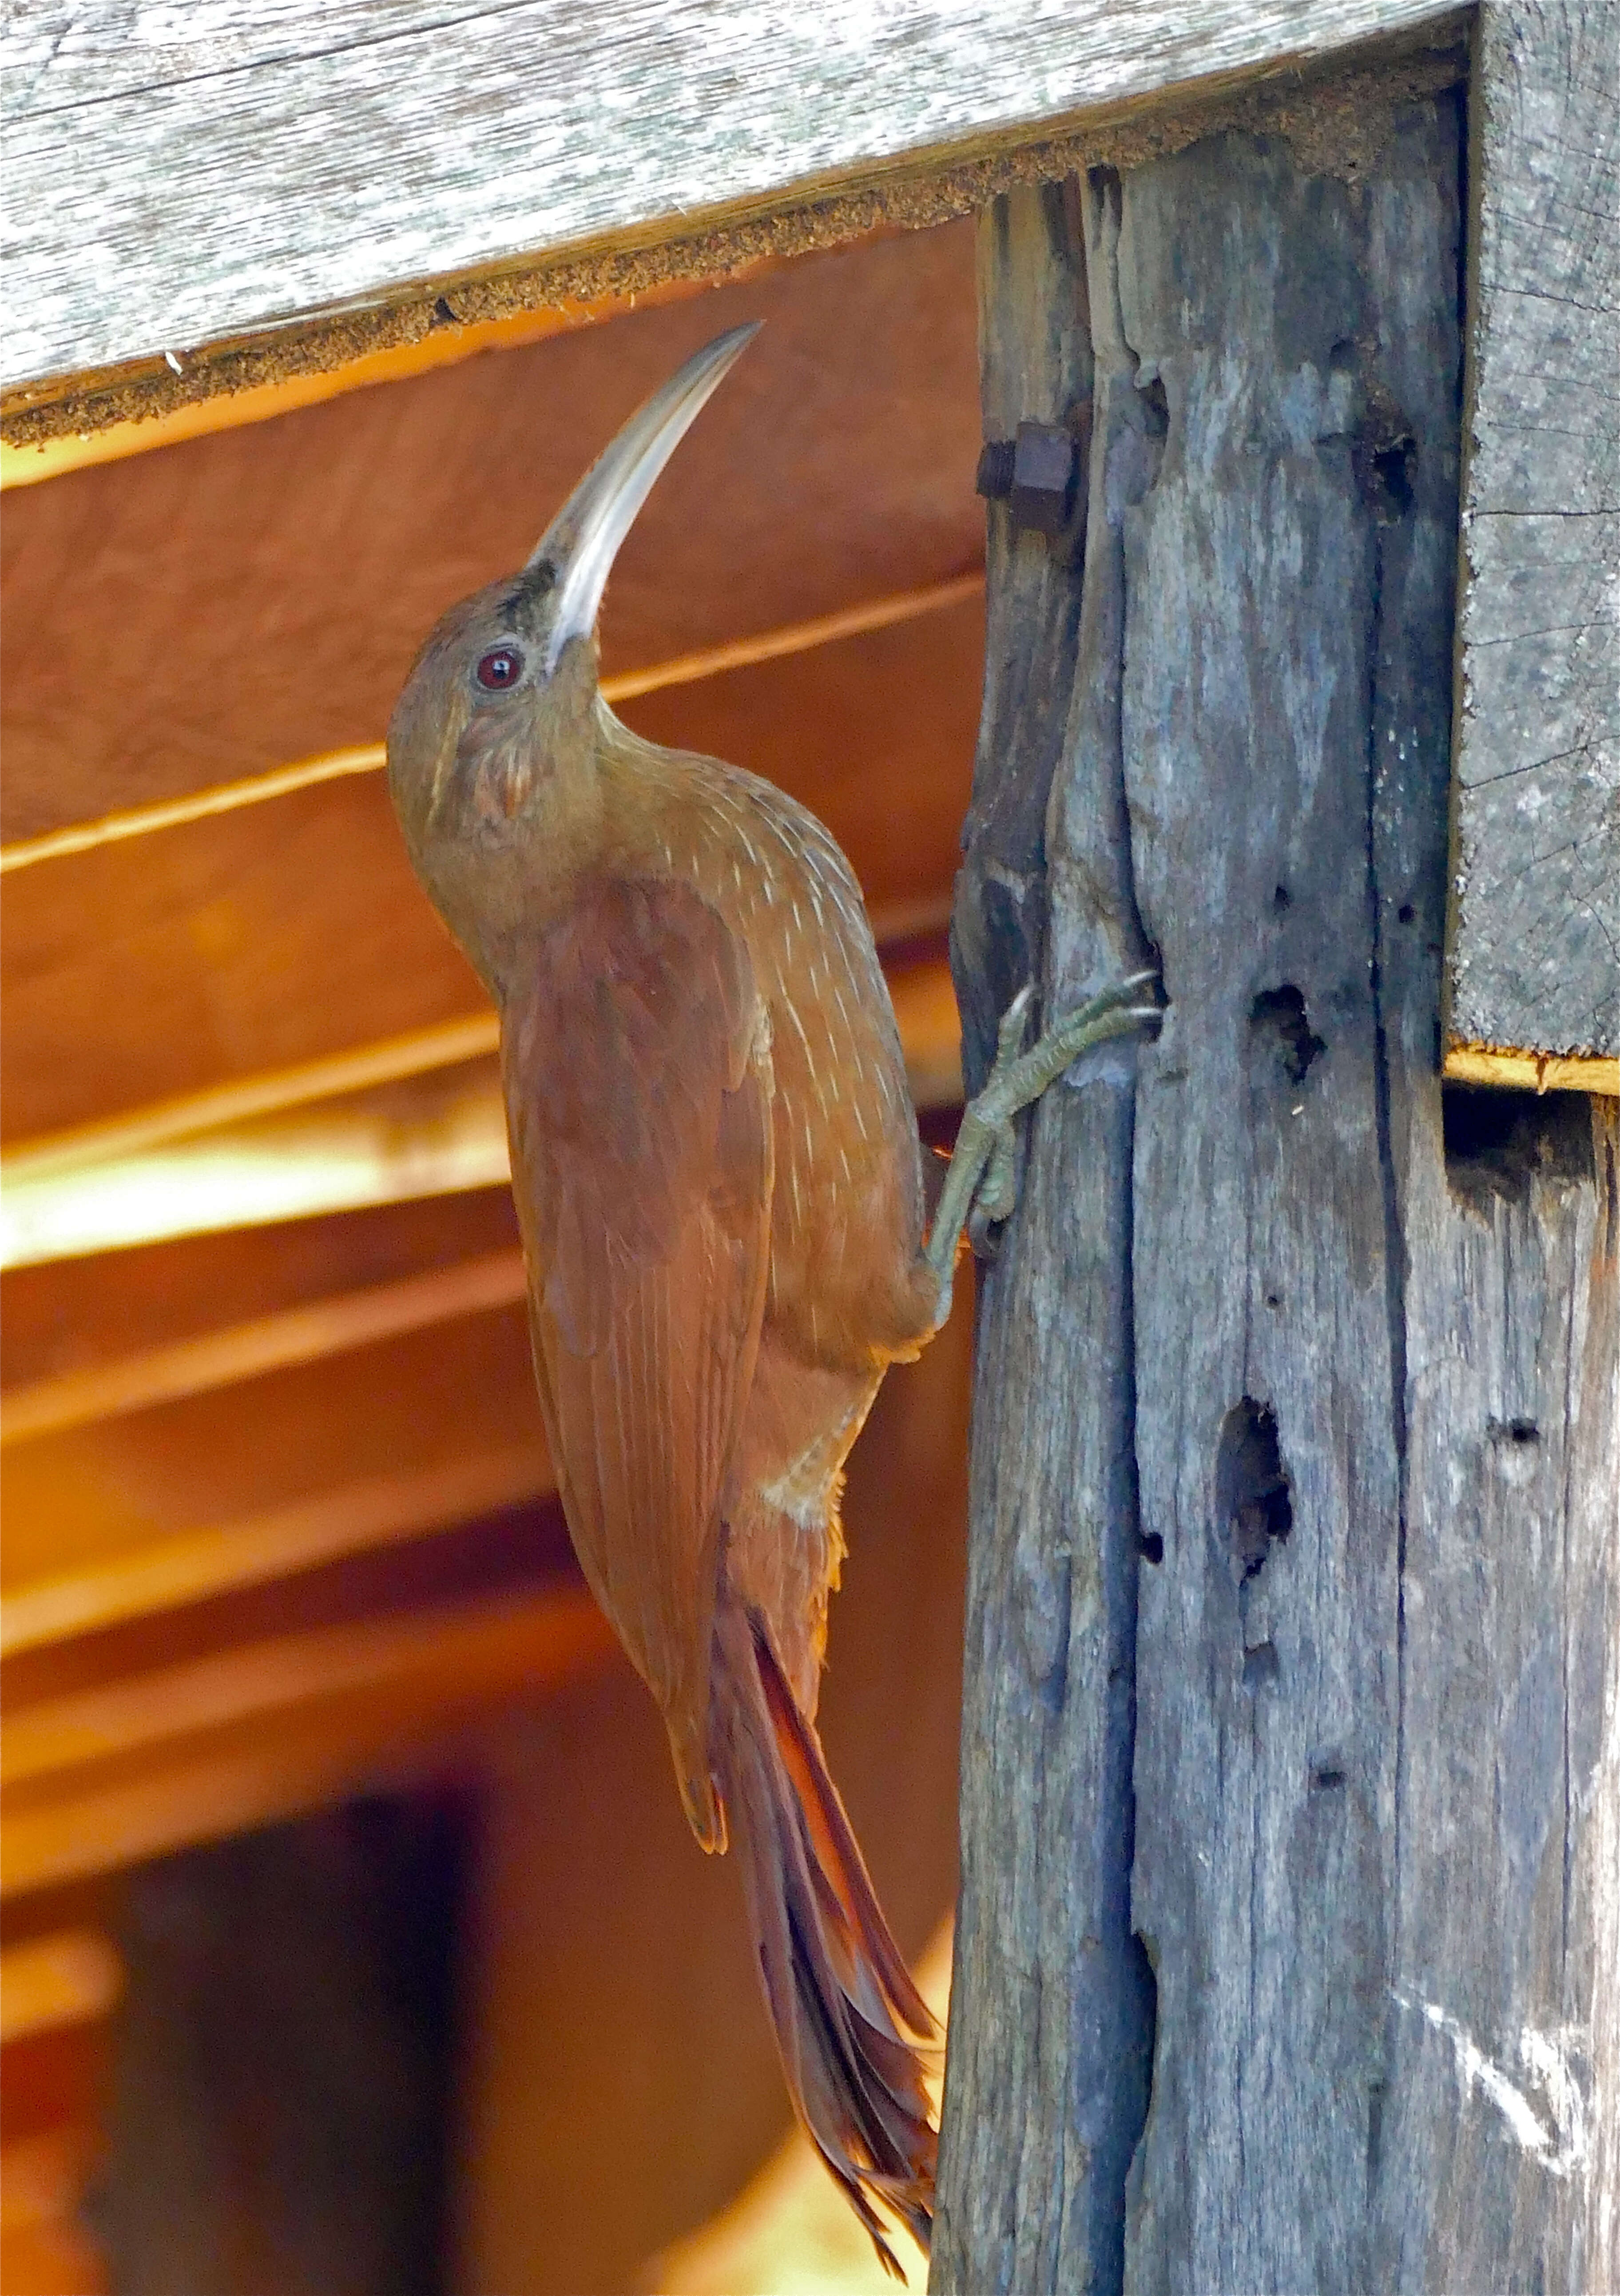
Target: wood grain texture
x,y
203,186
1366,1351
1050,2037
1535,959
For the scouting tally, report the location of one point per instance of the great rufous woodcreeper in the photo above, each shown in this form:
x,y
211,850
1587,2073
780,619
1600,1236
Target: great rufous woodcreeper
x,y
719,1182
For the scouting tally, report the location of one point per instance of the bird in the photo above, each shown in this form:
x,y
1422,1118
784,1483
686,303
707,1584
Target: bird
x,y
720,1190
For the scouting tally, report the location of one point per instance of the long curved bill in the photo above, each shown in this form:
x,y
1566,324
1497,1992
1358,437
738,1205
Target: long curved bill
x,y
584,538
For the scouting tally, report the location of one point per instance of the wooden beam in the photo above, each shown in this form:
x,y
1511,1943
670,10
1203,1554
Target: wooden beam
x,y
1295,1432
216,1359
359,1068
1533,939
686,670
237,953
189,1566
197,1752
199,418
333,163
179,1169
65,1316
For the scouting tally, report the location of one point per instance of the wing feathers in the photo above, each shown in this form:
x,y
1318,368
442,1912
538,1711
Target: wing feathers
x,y
638,1088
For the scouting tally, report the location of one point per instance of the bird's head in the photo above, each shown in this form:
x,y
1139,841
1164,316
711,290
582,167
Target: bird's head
x,y
504,695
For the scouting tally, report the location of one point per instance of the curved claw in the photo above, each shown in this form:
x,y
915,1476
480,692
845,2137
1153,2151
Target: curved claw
x,y
1014,1027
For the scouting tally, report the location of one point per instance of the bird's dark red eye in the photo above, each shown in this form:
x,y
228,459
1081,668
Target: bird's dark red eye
x,y
499,668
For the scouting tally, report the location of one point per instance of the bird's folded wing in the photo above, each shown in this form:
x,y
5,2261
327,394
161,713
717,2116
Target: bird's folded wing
x,y
638,1091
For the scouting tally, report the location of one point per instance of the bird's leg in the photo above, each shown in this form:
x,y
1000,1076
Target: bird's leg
x,y
983,1178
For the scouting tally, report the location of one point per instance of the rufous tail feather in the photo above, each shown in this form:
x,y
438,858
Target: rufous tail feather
x,y
839,1993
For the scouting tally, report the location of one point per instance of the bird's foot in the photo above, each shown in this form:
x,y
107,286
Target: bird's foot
x,y
982,1185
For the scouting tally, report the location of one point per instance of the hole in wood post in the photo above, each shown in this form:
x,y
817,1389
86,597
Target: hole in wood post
x,y
1384,454
1155,407
1391,486
1496,1143
1261,1666
1152,1547
1282,899
1327,1776
1520,1432
1282,1013
1252,1491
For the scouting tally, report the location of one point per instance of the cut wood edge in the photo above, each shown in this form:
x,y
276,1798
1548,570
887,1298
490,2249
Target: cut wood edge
x,y
1522,1071
70,1978
372,756
381,1715
221,1559
247,1351
444,345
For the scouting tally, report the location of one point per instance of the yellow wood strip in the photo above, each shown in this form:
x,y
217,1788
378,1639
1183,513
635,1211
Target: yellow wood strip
x,y
295,1335
221,1159
1530,1071
203,1750
685,669
388,1061
216,1560
70,1978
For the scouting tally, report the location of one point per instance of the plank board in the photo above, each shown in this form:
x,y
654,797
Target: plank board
x,y
285,162
1534,957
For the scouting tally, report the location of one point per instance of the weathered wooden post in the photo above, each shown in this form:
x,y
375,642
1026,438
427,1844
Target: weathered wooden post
x,y
1288,1953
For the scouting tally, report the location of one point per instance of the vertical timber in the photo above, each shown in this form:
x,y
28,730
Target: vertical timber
x,y
1050,2024
1330,1350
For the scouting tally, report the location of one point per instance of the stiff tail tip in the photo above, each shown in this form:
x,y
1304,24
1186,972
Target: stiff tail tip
x,y
850,2024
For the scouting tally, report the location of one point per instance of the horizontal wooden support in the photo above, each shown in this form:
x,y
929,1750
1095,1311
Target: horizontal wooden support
x,y
358,1068
438,1134
352,1319
71,1977
1530,1071
219,1160
229,1742
199,418
368,757
192,1565
232,179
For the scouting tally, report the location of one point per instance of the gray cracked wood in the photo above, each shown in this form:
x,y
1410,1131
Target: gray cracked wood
x,y
1368,1368
172,184
1535,937
1050,2018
